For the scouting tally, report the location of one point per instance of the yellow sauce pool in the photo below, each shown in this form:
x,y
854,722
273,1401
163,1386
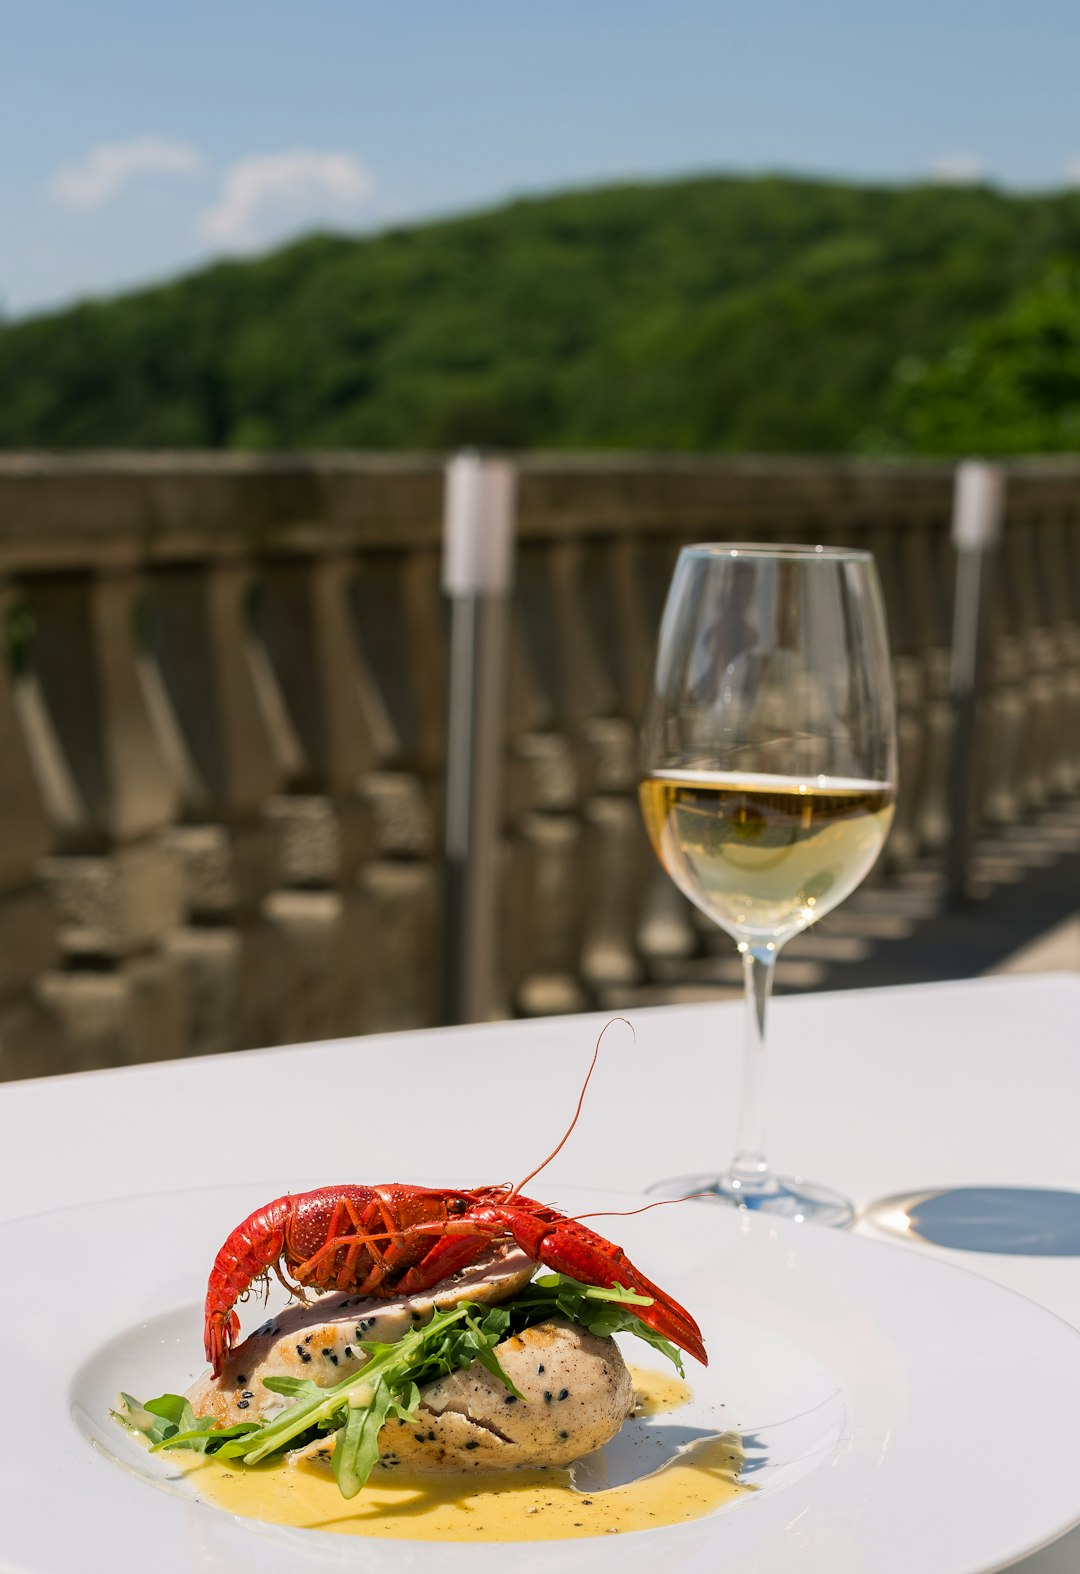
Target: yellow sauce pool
x,y
655,1393
517,1505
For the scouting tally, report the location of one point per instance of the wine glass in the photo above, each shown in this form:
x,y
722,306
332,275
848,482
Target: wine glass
x,y
768,781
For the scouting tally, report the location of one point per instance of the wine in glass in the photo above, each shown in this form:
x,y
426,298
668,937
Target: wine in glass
x,y
768,781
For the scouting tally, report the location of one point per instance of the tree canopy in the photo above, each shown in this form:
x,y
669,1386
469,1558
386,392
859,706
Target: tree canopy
x,y
723,315
1010,385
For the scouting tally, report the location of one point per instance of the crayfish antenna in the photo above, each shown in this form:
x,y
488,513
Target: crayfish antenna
x,y
628,1213
581,1100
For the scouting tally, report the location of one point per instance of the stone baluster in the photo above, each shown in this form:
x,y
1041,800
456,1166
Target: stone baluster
x,y
31,1043
544,791
360,919
929,567
1056,651
208,703
399,882
108,792
889,551
1039,657
1061,588
1005,725
619,857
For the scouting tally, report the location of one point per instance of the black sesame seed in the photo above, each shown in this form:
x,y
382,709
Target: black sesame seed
x,y
348,1351
511,1399
309,1338
472,1445
242,1405
246,1394
564,1393
564,1436
431,1437
539,1371
419,1436
240,1378
330,1356
548,1396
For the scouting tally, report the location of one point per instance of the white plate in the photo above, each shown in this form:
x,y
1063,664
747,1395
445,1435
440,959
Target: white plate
x,y
901,1414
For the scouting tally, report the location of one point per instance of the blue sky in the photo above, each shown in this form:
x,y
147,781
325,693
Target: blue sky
x,y
139,140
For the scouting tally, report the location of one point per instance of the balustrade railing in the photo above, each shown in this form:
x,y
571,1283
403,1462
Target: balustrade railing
x,y
222,726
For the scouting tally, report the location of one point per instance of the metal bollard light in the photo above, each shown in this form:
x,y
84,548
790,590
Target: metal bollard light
x,y
978,510
478,531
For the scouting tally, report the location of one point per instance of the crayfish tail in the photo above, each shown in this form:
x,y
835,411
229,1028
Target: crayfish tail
x,y
219,1336
670,1320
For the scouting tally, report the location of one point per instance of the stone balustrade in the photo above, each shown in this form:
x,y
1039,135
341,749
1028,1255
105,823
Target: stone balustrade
x,y
222,726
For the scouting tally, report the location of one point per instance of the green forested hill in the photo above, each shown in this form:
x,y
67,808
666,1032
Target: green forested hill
x,y
713,314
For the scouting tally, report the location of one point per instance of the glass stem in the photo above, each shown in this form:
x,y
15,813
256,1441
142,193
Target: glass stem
x,y
749,1171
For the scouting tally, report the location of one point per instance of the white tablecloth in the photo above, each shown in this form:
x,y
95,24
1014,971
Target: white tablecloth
x,y
873,1091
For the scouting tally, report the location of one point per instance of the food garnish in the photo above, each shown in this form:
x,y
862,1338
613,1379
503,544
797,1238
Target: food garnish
x,y
387,1387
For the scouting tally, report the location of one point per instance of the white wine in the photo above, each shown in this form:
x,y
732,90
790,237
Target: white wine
x,y
765,855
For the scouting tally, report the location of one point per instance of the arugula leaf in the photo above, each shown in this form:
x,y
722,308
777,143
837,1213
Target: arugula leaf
x,y
356,1452
206,1438
148,1418
389,1382
604,1312
292,1387
170,1422
480,1337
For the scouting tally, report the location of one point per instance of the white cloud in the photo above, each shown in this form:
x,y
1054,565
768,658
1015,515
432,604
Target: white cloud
x,y
275,191
958,169
108,168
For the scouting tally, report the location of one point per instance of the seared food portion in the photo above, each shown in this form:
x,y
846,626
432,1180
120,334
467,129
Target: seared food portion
x,y
576,1394
322,1341
575,1389
534,1381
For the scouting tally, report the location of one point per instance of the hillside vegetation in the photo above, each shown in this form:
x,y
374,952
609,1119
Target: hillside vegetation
x,y
758,315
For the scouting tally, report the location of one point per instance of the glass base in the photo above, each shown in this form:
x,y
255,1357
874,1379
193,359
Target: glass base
x,y
788,1197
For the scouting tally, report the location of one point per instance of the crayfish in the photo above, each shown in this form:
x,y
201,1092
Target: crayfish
x,y
395,1239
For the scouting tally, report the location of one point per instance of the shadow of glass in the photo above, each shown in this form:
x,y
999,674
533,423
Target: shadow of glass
x,y
1022,1221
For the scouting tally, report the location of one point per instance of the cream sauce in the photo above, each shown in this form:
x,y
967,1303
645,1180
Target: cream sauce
x,y
506,1505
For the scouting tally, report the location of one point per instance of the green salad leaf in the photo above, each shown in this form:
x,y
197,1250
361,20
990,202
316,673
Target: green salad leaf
x,y
169,1421
388,1384
357,1449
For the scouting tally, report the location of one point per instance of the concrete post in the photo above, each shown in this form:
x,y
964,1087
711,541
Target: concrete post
x,y
477,573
